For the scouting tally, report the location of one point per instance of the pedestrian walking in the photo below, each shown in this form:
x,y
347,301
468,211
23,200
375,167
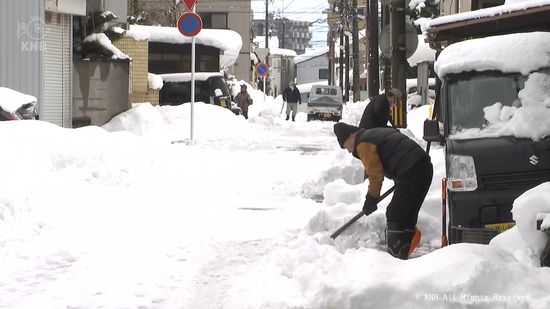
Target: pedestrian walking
x,y
243,100
387,152
377,112
292,97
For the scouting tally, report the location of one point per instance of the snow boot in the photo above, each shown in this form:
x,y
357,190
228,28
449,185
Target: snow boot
x,y
287,116
398,242
293,118
412,237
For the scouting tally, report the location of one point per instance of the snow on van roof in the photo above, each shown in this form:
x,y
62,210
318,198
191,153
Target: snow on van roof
x,y
517,52
186,77
508,7
228,41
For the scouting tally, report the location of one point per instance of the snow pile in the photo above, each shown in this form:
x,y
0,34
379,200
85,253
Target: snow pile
x,y
104,41
525,211
172,123
528,121
119,217
11,100
518,52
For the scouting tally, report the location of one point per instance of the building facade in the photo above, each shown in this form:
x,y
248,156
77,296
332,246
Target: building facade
x,y
36,53
291,34
448,7
235,15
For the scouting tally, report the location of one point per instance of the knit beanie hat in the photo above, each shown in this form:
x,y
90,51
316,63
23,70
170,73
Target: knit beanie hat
x,y
343,131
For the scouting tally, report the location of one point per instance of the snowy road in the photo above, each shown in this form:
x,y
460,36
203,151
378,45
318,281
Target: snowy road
x,y
107,219
179,232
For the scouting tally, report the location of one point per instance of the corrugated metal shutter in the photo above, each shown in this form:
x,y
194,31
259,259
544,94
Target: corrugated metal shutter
x,y
57,70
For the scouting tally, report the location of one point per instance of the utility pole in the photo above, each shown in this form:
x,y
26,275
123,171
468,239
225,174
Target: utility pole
x,y
398,65
355,39
346,77
330,55
341,47
373,57
266,23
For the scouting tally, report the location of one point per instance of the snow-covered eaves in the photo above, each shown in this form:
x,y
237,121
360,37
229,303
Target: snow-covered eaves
x,y
229,42
489,12
517,16
186,77
226,40
510,53
311,54
422,53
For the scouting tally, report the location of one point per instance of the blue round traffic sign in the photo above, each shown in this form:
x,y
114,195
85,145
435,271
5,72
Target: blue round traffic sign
x,y
262,69
189,24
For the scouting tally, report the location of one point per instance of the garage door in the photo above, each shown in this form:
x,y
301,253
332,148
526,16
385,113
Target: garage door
x,y
57,70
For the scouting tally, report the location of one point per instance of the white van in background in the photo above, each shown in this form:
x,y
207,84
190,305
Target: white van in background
x,y
325,103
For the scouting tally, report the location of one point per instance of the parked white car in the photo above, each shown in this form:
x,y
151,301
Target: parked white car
x,y
15,105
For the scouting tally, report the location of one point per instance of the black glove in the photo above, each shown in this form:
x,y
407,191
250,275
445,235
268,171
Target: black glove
x,y
299,102
370,205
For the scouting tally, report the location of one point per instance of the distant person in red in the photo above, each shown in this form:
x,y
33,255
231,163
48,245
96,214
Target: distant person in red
x,y
377,112
292,97
243,100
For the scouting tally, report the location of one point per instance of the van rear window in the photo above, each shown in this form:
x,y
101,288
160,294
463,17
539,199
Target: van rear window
x,y
326,91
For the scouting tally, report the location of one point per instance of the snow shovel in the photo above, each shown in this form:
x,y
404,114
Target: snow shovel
x,y
359,215
282,105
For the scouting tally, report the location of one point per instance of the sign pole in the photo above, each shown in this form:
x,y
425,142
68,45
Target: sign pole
x,y
192,81
264,88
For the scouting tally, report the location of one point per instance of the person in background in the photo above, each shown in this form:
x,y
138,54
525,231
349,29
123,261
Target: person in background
x,y
292,97
388,152
377,112
243,100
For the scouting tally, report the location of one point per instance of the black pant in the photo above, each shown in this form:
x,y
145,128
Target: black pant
x,y
410,191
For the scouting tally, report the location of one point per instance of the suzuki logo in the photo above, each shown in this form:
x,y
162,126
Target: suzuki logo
x,y
534,160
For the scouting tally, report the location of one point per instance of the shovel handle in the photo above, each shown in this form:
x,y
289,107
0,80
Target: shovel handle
x,y
359,215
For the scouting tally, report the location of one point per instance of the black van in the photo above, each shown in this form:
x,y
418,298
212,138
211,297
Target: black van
x,y
485,174
210,88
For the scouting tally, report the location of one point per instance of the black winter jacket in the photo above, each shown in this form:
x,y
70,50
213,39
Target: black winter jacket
x,y
376,114
397,152
292,95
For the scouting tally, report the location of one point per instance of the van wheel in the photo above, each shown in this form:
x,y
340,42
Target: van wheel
x,y
309,117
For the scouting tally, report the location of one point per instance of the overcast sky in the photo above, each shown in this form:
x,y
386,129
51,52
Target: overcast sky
x,y
310,10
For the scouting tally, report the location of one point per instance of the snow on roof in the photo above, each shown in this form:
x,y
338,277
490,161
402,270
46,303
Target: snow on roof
x,y
282,52
185,77
311,54
104,41
228,41
11,100
422,53
512,6
154,81
517,52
